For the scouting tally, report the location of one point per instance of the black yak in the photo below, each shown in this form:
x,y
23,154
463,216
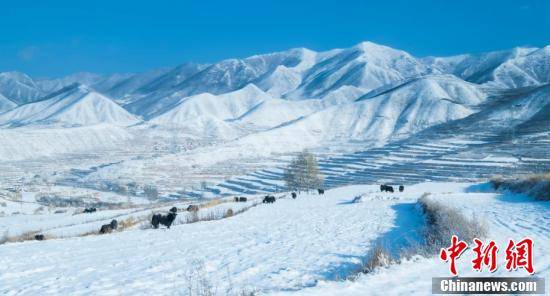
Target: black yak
x,y
401,188
108,228
321,191
386,188
294,195
39,237
269,199
89,210
165,220
174,210
242,199
192,208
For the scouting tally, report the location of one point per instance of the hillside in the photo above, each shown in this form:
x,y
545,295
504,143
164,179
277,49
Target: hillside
x,y
6,104
76,105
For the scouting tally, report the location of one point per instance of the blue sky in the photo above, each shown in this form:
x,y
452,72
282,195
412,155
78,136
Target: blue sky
x,y
54,38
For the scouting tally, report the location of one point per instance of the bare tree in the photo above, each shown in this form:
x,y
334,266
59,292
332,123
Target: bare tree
x,y
302,174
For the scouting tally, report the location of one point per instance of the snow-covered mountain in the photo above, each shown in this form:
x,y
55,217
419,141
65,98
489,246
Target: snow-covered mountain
x,y
366,65
19,87
514,68
376,118
367,92
75,105
296,74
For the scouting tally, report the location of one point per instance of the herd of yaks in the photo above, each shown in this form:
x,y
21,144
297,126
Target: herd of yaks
x,y
168,219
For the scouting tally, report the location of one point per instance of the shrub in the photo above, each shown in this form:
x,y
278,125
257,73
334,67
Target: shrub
x,y
379,256
537,186
192,217
228,213
127,223
443,221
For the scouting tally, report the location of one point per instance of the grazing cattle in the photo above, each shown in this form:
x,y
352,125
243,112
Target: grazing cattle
x,y
386,188
108,228
39,237
192,208
242,199
89,210
401,188
321,191
165,220
294,195
269,199
174,210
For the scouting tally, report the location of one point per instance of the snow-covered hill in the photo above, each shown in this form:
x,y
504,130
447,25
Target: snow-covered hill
x,y
514,68
19,87
75,105
6,104
379,116
366,65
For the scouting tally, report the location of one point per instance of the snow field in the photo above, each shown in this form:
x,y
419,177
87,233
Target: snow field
x,y
507,217
290,244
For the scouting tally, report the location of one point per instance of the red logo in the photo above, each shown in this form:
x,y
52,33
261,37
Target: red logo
x,y
453,252
518,255
485,256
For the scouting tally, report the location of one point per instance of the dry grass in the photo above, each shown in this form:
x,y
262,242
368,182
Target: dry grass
x,y
443,221
536,185
27,236
379,256
128,223
192,217
212,203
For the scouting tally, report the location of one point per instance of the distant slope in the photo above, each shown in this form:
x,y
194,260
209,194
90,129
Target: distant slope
x,y
6,104
19,87
391,114
224,107
76,105
519,67
37,143
366,65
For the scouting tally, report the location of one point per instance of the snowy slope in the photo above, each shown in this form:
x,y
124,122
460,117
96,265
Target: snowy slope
x,y
446,87
6,104
76,105
305,246
233,74
507,217
36,143
227,106
19,87
262,248
399,112
514,68
49,85
366,65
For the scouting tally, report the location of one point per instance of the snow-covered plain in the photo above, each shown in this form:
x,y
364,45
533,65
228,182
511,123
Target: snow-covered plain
x,y
303,246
